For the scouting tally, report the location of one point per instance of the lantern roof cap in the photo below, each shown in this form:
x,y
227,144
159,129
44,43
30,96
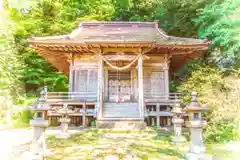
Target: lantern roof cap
x,y
195,106
177,108
40,105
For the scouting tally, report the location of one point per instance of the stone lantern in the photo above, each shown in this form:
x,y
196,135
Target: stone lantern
x,y
196,123
177,124
39,124
65,120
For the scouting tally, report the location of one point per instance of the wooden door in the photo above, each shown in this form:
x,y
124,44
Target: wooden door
x,y
119,86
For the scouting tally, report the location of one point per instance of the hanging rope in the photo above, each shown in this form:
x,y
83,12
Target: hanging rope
x,y
120,68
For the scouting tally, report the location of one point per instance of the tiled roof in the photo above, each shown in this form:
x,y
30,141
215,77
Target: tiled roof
x,y
121,32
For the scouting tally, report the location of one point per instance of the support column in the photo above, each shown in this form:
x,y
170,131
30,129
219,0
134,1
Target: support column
x,y
168,121
106,85
71,74
158,117
84,115
100,88
140,86
70,78
166,75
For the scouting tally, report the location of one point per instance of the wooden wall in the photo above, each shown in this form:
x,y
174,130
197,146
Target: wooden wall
x,y
155,72
83,74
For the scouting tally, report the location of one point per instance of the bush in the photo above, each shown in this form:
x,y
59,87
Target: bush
x,y
93,124
220,92
22,118
221,131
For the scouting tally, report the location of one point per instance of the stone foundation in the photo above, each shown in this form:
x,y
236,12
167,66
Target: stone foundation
x,y
121,125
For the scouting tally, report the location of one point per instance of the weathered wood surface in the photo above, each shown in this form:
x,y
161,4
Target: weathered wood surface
x,y
71,96
100,87
140,86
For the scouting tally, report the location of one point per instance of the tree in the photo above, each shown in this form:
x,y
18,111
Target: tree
x,y
220,23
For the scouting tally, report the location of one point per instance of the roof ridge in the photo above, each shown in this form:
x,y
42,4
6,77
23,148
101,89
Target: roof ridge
x,y
88,23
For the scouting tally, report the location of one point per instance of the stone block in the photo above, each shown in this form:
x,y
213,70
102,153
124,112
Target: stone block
x,y
121,125
203,156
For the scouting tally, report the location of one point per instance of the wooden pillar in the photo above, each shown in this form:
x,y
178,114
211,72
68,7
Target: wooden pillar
x,y
100,88
106,85
158,117
70,78
166,75
168,121
140,87
84,115
153,121
71,74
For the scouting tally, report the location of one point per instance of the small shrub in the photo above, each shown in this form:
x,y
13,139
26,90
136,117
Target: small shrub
x,y
221,131
93,124
22,118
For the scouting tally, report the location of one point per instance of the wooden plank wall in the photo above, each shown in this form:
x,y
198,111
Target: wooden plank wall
x,y
84,72
154,75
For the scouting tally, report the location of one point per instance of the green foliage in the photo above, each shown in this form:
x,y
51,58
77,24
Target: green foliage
x,y
220,23
222,131
93,124
21,118
219,92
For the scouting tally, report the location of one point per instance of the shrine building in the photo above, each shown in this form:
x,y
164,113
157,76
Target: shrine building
x,y
118,71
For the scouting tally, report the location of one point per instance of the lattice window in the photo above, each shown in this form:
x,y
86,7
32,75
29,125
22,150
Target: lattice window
x,y
85,81
157,83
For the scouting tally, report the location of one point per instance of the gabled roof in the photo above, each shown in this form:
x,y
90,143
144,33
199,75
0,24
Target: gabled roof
x,y
117,32
91,35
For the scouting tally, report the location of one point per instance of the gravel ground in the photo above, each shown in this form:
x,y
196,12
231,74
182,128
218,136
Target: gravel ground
x,y
15,142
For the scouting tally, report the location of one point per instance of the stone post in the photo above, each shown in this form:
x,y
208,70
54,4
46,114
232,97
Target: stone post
x,y
177,124
65,120
196,148
39,124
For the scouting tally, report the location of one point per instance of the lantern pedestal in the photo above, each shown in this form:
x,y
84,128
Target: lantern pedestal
x,y
196,147
38,147
178,139
196,124
64,129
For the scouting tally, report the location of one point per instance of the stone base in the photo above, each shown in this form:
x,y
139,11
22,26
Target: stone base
x,y
202,156
121,125
178,140
63,136
31,156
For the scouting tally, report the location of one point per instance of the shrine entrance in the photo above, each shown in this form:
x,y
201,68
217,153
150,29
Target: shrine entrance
x,y
119,86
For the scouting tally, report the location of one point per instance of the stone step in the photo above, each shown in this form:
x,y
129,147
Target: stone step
x,y
121,125
120,119
121,116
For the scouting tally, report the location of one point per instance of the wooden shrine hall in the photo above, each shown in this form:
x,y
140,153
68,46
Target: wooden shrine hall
x,y
118,71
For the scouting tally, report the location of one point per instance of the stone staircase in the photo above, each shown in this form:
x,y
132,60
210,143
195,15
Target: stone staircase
x,y
126,110
121,116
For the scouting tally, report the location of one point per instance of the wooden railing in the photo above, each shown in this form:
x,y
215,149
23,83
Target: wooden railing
x,y
163,98
166,98
71,96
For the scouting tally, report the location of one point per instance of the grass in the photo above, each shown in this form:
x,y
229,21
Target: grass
x,y
111,145
125,145
220,152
